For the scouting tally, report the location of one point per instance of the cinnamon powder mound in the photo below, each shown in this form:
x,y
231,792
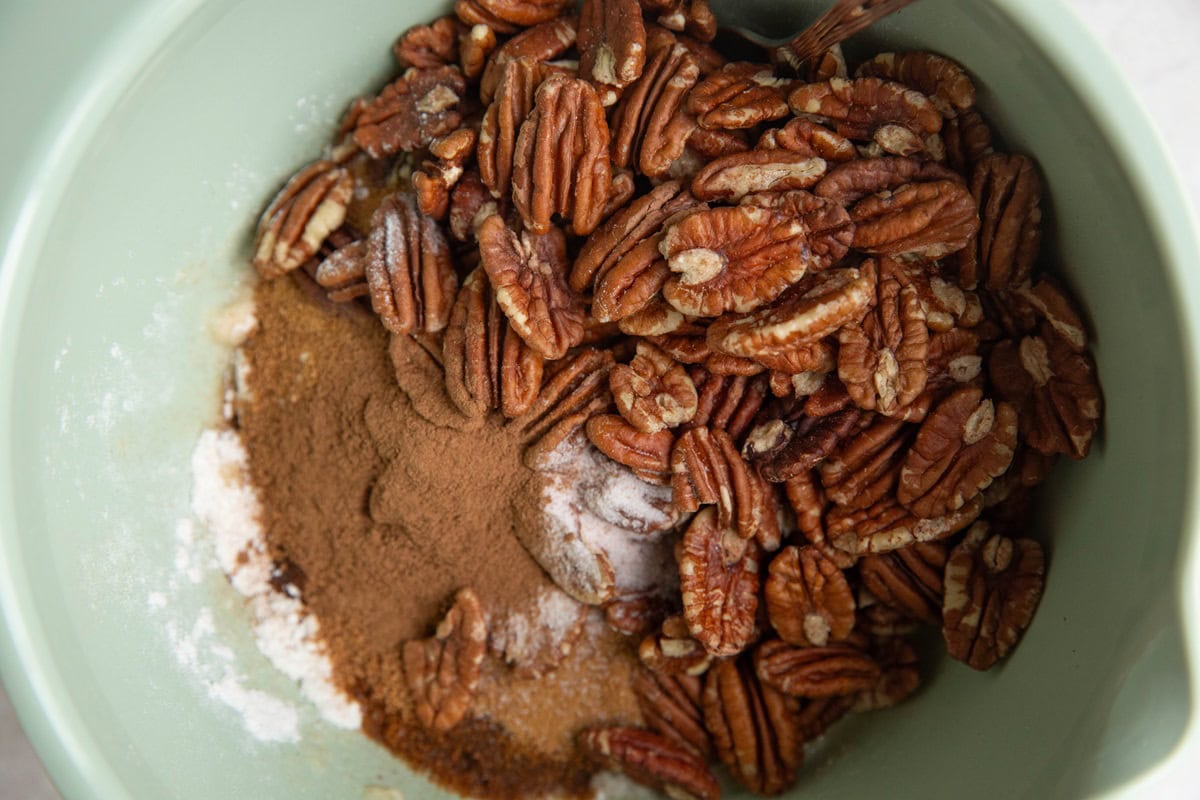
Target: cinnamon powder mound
x,y
379,502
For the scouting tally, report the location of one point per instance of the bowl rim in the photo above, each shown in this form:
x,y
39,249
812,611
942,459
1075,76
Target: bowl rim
x,y
92,79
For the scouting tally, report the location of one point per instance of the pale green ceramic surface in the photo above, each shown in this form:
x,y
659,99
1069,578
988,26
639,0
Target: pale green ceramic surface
x,y
141,137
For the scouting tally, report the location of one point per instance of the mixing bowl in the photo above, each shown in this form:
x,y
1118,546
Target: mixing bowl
x,y
141,138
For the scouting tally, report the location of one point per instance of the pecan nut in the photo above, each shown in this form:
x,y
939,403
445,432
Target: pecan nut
x,y
908,579
488,367
647,454
561,164
943,81
718,577
693,17
806,137
809,505
783,450
522,13
425,46
816,716
754,728
967,139
670,704
900,677
528,275
859,107
442,672
437,177
653,392
475,45
993,585
887,525
673,651
647,121
931,220
815,672
501,124
963,445
653,760
575,392
535,46
412,111
850,182
706,468
739,95
612,45
734,176
866,465
470,12
343,273
808,599
636,615
1008,191
408,268
310,206
727,402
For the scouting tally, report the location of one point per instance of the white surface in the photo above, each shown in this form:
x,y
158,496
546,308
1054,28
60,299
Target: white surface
x,y
1153,41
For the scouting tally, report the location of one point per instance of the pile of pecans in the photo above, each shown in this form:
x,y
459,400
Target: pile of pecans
x,y
812,305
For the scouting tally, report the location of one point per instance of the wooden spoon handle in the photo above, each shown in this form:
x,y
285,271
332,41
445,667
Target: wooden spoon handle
x,y
843,20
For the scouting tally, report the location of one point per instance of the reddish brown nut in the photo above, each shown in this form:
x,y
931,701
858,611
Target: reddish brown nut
x,y
887,526
816,716
443,671
470,12
408,268
900,677
535,46
574,392
808,502
717,143
808,599
727,402
647,454
806,137
673,651
930,220
815,307
706,468
815,672
879,620
649,130
310,206
866,465
636,615
908,579
718,578
857,108
732,177
515,92
781,451
524,13
962,446
653,760
612,45
470,205
881,360
343,272
528,275
693,17
943,81
670,704
412,111
475,46
561,163
488,367
967,139
993,585
1008,191
437,177
850,182
432,45
653,392
754,728
739,95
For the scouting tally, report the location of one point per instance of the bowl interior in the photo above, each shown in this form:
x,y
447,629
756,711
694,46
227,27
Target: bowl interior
x,y
112,375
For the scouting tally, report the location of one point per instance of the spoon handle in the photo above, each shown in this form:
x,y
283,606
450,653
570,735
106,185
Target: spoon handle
x,y
844,19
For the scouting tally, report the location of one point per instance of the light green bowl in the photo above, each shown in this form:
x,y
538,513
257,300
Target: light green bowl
x,y
140,139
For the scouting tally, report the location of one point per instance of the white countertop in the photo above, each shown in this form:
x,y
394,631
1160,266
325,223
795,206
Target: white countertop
x,y
1157,55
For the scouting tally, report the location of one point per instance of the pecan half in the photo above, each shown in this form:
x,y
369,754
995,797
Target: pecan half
x,y
852,181
866,465
887,525
673,651
727,402
693,17
908,579
470,205
524,13
515,91
943,81
561,163
647,454
653,760
612,45
653,392
781,450
754,728
432,45
528,275
900,677
408,268
930,220
706,468
857,108
718,577
436,178
636,615
443,671
310,206
1008,191
812,309
808,502
967,139
830,231
670,704
470,12
806,137
733,259
739,95
576,391
962,446
488,367
475,46
881,360
734,176
816,716
993,585
411,112
648,128
808,599
1054,386
879,620
541,43
815,672
343,272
